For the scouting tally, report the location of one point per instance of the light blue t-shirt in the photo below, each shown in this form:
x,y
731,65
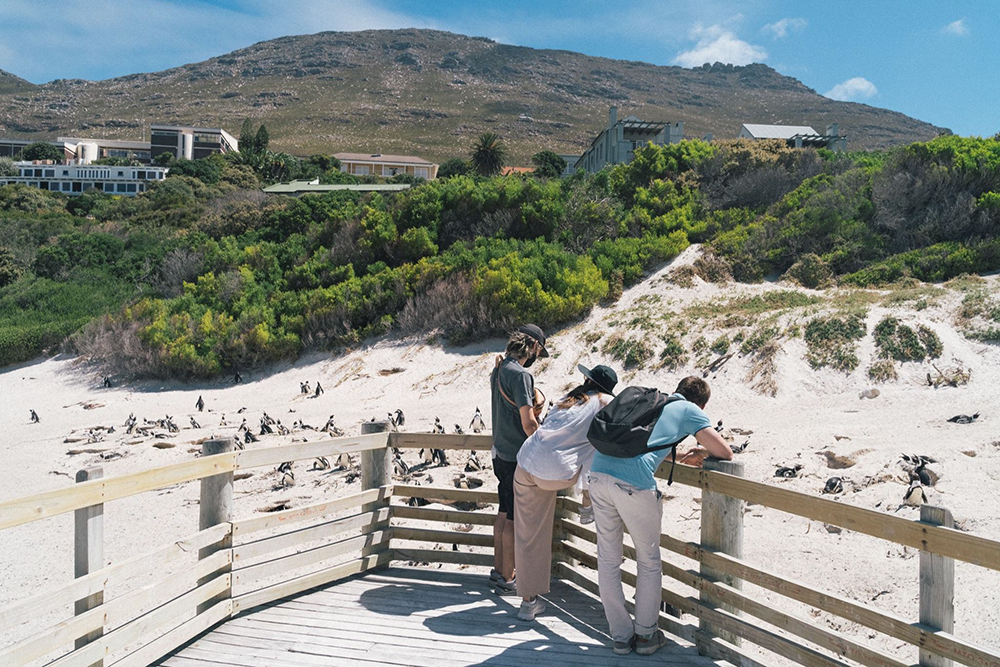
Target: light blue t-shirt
x,y
677,420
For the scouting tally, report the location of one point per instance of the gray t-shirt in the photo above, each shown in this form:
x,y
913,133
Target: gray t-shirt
x,y
519,385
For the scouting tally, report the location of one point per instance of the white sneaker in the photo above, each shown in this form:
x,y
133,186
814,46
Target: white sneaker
x,y
587,515
530,609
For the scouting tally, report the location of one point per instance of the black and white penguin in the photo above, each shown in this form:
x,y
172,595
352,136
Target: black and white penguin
x,y
194,424
319,390
237,378
788,472
438,428
222,422
473,464
477,424
834,485
915,495
34,417
400,418
200,404
344,461
399,466
964,419
458,430
321,463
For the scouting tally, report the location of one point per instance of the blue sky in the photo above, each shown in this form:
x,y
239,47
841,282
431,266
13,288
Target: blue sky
x,y
937,61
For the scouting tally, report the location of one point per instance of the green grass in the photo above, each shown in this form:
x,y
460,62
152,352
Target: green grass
x,y
883,370
632,352
673,354
895,340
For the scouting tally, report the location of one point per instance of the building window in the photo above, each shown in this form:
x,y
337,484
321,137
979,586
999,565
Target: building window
x,y
361,169
421,172
50,173
130,187
65,186
65,172
121,187
140,174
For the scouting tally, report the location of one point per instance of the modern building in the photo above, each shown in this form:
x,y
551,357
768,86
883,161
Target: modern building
x,y
190,143
616,144
305,187
88,150
797,136
362,164
11,147
75,179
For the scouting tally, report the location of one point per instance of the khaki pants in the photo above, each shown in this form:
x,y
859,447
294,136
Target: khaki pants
x,y
534,512
618,506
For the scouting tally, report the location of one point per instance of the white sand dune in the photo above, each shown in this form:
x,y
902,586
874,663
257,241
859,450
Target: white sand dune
x,y
814,411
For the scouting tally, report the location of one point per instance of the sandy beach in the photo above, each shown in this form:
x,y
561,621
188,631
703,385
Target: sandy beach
x,y
816,419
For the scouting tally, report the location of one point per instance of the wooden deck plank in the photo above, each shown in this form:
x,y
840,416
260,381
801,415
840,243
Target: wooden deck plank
x,y
417,617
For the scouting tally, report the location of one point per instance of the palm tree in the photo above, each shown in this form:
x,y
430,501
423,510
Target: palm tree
x,y
488,153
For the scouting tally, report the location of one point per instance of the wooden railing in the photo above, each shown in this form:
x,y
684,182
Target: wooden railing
x,y
177,591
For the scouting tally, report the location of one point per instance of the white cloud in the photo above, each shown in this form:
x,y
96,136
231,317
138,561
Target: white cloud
x,y
957,28
718,44
780,29
852,90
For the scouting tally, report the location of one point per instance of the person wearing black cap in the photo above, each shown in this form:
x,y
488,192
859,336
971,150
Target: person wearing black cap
x,y
552,459
514,419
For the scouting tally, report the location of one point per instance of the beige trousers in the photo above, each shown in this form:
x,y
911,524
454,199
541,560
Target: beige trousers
x,y
534,513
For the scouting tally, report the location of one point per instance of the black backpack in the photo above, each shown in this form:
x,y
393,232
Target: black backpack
x,y
622,427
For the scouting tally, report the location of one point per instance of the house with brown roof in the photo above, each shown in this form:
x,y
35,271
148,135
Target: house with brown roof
x,y
363,164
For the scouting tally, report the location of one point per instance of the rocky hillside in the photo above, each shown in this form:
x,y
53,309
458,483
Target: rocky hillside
x,y
429,92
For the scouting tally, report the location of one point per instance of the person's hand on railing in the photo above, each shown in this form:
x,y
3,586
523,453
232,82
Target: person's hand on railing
x,y
694,457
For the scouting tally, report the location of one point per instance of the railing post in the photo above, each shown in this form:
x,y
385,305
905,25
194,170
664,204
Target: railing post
x,y
376,470
88,553
722,530
216,507
937,586
559,534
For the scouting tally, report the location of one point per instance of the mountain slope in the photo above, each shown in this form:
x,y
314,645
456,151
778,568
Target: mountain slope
x,y
429,92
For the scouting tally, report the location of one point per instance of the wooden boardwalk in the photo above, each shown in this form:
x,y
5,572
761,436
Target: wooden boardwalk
x,y
413,617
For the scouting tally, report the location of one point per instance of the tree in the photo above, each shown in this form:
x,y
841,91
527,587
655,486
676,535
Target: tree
x,y
117,162
455,166
7,167
261,140
548,164
163,159
247,138
41,150
10,270
488,153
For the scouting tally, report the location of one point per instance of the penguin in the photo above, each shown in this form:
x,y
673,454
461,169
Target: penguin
x,y
344,461
288,478
834,485
241,411
237,378
250,437
477,424
438,455
915,495
319,390
458,430
306,389
194,424
34,417
399,466
285,467
282,429
437,425
473,464
265,428
718,427
964,419
788,472
321,463
400,418
107,382
222,422
200,404
426,455
918,459
739,449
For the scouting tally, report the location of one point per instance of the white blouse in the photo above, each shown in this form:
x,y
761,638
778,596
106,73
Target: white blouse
x,y
559,448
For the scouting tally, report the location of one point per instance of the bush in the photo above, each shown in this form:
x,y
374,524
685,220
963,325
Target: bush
x,y
895,340
673,355
882,371
632,352
832,341
810,271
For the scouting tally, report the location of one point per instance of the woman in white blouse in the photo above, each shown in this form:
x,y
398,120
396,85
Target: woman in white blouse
x,y
550,460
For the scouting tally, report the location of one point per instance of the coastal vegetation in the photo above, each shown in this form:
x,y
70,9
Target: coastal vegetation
x,y
204,274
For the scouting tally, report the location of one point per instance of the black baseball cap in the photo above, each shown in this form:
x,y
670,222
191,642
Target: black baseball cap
x,y
603,376
536,333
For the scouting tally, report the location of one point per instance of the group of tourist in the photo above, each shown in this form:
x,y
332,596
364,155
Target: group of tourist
x,y
534,459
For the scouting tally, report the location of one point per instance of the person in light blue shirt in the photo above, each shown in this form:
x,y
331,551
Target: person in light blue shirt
x,y
624,495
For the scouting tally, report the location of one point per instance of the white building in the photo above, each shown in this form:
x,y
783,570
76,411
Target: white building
x,y
363,164
75,179
796,136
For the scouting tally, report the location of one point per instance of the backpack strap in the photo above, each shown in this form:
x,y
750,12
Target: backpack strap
x,y
502,392
673,454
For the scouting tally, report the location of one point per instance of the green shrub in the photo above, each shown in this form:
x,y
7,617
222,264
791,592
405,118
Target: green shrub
x,y
673,354
832,341
895,340
882,371
721,345
810,271
632,352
